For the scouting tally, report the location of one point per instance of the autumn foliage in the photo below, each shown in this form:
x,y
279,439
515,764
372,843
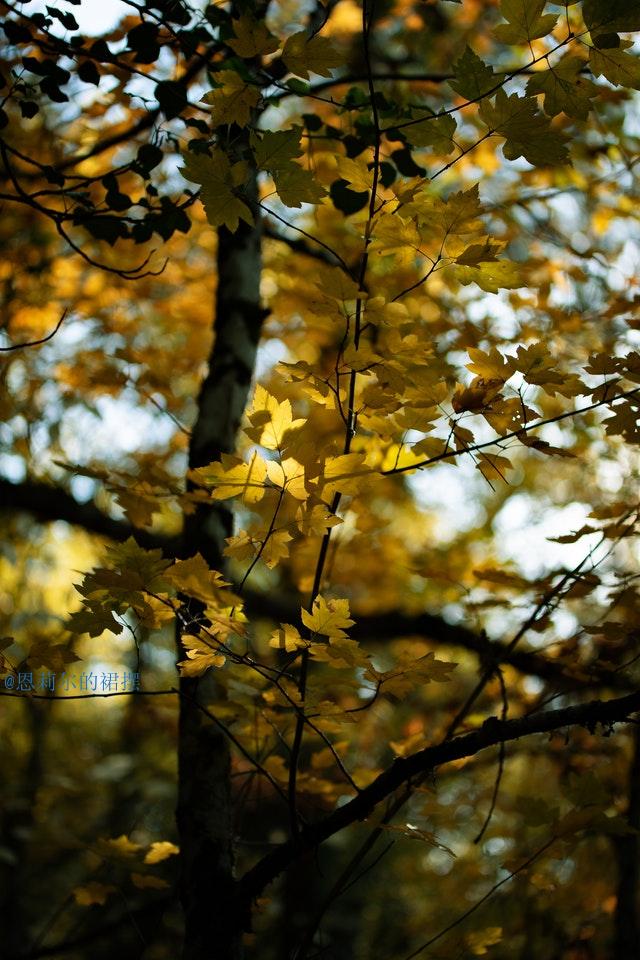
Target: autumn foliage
x,y
321,398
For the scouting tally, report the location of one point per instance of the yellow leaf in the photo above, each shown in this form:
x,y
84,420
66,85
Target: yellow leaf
x,y
200,656
288,475
276,548
491,365
160,850
287,638
119,847
90,893
328,617
316,519
146,881
271,420
479,942
340,652
493,467
244,480
491,276
344,474
194,578
240,547
355,172
378,311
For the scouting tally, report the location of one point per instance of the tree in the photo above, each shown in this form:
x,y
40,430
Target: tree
x,y
415,225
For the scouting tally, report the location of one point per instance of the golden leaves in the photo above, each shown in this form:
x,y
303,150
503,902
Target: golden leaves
x,y
287,637
244,480
330,618
271,420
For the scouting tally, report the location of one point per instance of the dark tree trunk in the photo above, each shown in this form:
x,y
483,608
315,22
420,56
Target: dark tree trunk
x,y
213,926
627,927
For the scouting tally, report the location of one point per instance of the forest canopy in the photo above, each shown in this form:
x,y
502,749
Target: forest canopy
x,y
319,479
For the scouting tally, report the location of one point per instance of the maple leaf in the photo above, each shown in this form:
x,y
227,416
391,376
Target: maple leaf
x,y
288,475
481,940
94,620
476,396
160,850
275,151
436,132
244,480
526,21
93,892
145,881
491,366
252,38
218,189
328,617
564,89
276,547
241,547
493,467
473,78
120,847
527,132
315,519
343,474
232,100
340,653
194,578
355,172
477,253
618,66
201,655
304,55
271,420
490,275
287,637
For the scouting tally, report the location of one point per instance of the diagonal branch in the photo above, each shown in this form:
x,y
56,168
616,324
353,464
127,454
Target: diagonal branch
x,y
403,769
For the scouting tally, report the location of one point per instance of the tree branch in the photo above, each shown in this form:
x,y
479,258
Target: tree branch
x,y
491,733
48,503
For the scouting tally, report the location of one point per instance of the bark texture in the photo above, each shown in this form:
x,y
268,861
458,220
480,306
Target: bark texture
x,y
213,925
627,923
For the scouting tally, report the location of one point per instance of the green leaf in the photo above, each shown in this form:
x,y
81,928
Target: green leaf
x,y
296,186
473,77
275,151
232,101
215,176
564,89
252,38
304,55
620,68
526,21
527,132
436,132
611,16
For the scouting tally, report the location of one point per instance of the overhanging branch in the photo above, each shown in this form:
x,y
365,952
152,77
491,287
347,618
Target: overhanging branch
x,y
48,503
403,769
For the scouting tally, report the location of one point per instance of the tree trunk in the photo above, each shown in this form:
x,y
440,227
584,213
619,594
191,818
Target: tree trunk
x,y
213,926
627,928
